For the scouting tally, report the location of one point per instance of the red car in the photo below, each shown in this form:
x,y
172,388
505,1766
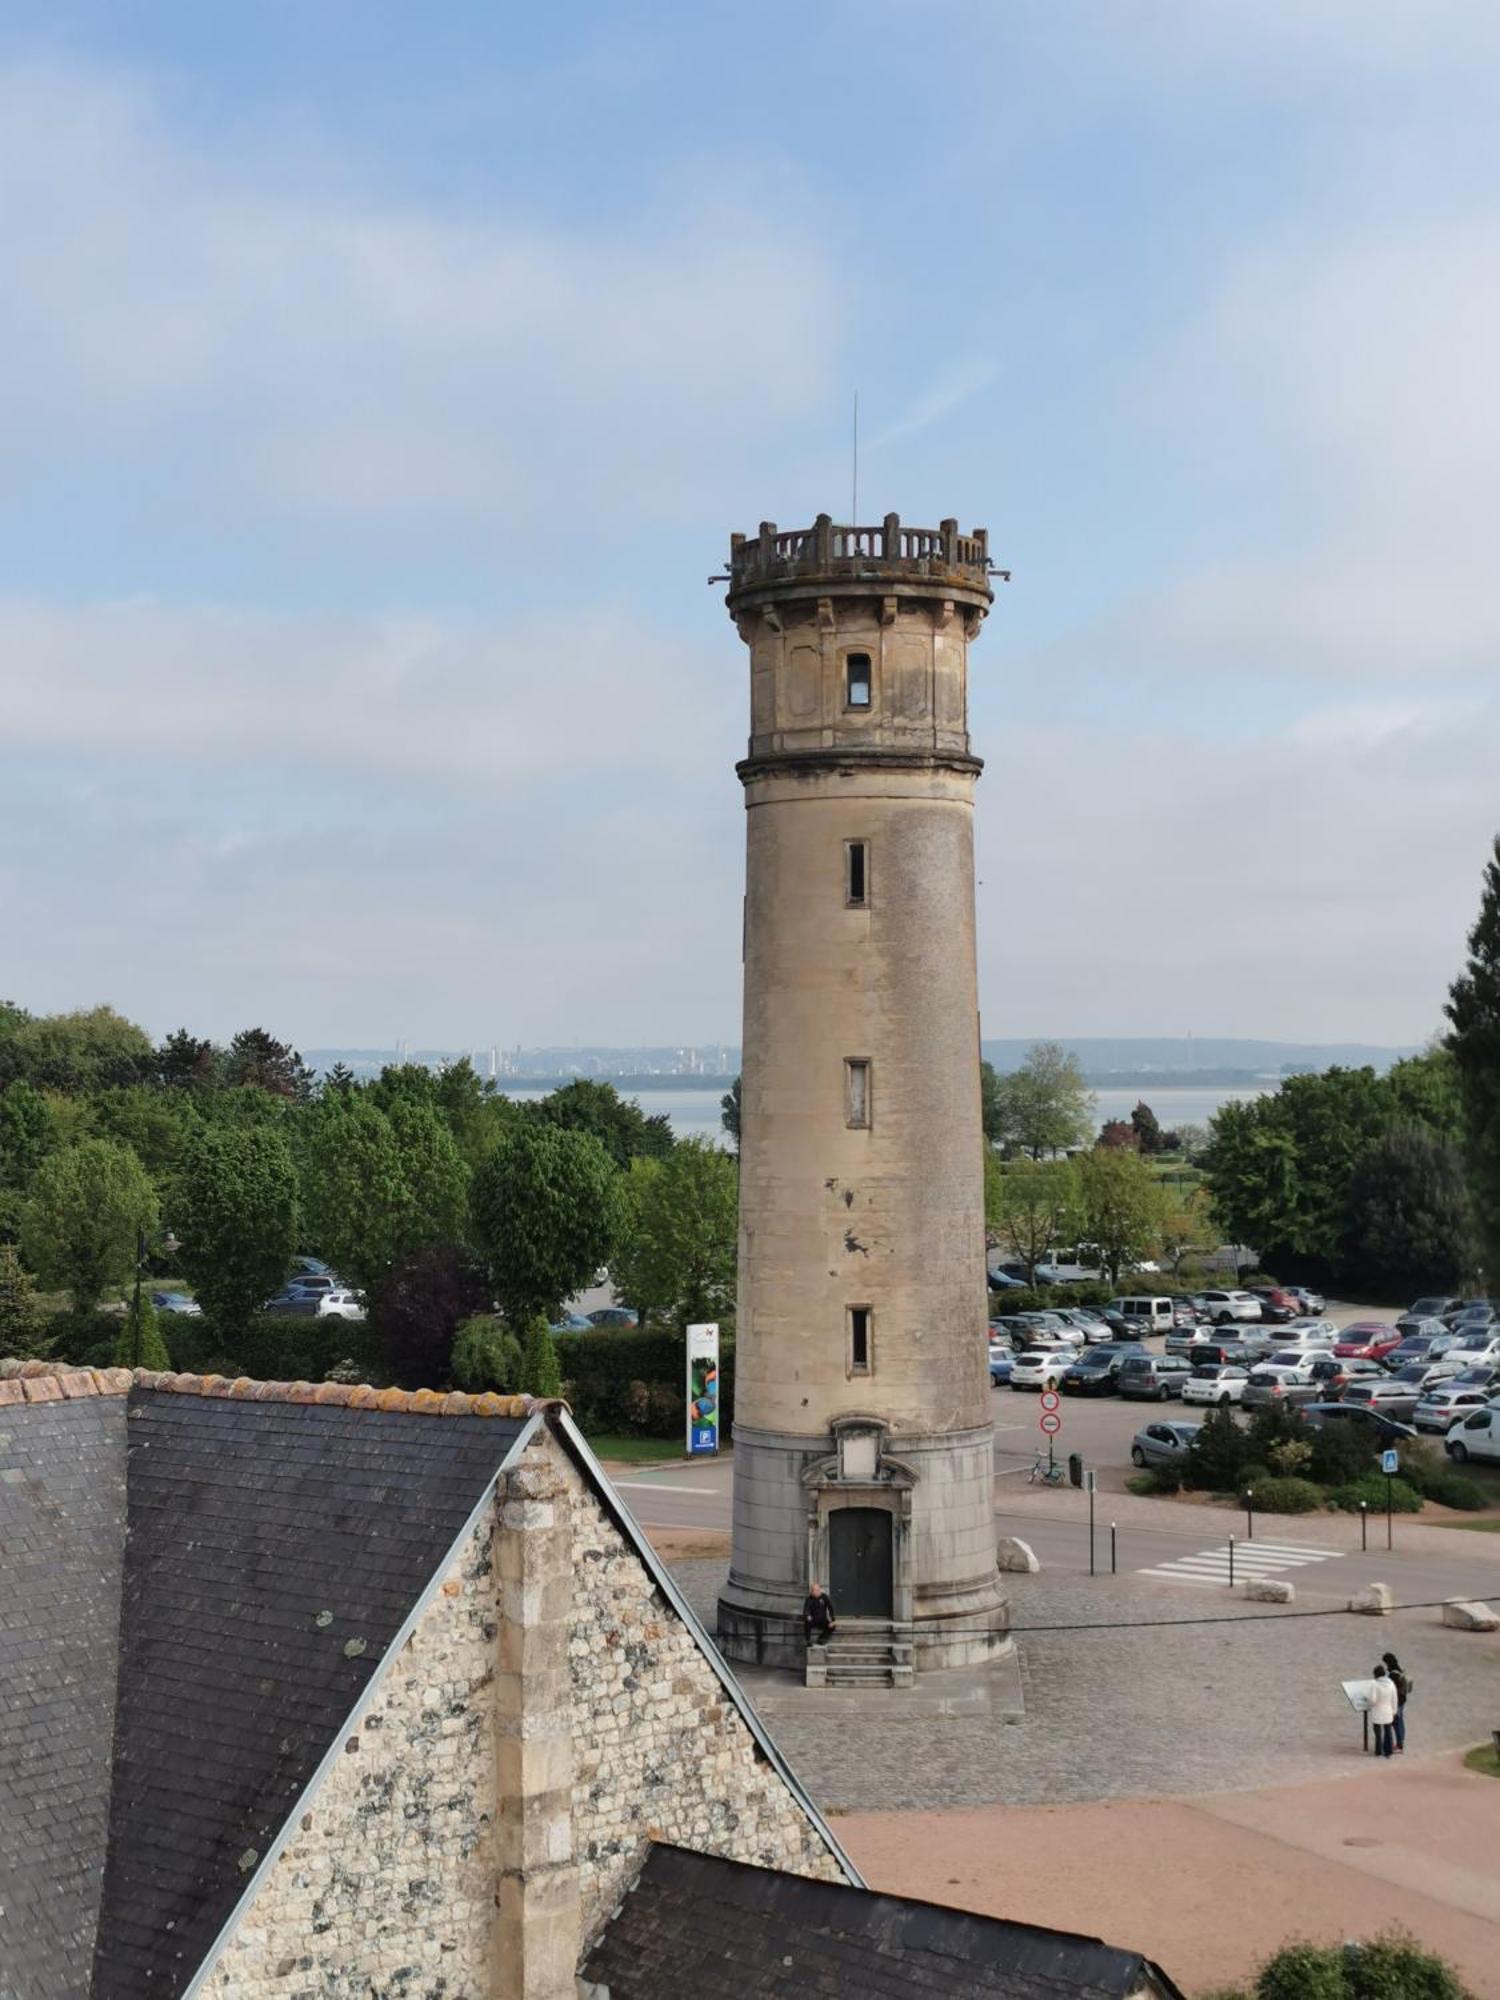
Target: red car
x,y
1368,1340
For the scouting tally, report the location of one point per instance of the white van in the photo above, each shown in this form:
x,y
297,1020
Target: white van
x,y
1476,1436
1143,1316
1074,1264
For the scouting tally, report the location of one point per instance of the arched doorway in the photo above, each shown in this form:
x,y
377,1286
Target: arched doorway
x,y
859,1562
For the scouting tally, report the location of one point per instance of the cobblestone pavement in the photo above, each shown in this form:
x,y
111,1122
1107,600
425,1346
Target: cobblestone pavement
x,y
1140,1709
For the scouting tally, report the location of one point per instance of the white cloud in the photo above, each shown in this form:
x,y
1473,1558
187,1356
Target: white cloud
x,y
331,353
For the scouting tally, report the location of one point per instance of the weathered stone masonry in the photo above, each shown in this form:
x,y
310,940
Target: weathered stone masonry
x,y
548,1717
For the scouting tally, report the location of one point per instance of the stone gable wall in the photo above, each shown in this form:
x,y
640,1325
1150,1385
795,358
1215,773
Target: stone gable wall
x,y
659,1749
387,1884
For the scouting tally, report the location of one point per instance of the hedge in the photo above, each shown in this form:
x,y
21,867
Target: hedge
x,y
631,1382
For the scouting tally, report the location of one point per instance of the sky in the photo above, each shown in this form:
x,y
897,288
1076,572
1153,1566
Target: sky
x,y
380,384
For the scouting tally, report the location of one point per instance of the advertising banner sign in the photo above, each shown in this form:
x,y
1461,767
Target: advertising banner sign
x,y
702,1389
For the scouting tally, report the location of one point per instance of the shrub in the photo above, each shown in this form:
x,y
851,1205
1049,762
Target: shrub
x,y
1371,1489
486,1355
1219,1454
1290,1457
1288,1496
141,1344
1161,1480
1389,1967
540,1374
1456,1489
1341,1452
418,1308
632,1382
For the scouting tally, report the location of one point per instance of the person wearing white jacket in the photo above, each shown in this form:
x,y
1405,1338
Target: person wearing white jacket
x,y
1383,1705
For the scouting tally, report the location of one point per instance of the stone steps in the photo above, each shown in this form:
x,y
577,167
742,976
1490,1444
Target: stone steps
x,y
869,1654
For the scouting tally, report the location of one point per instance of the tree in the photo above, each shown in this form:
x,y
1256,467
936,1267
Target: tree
x,y
28,1132
1044,1107
1191,1139
1389,1967
155,1124
1186,1222
234,1205
1147,1128
377,1188
418,1308
339,1081
991,1104
679,1235
1474,1010
89,1205
545,1210
620,1126
1409,1225
1035,1207
77,1053
258,1059
729,1112
1118,1135
20,1322
140,1344
540,1373
1120,1208
183,1062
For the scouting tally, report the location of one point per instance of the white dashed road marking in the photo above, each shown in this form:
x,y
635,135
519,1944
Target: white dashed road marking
x,y
1250,1559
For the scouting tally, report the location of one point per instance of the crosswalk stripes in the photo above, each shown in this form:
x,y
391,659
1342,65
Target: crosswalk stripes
x,y
1257,1558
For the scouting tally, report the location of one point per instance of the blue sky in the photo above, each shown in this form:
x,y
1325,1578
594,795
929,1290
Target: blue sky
x,y
379,385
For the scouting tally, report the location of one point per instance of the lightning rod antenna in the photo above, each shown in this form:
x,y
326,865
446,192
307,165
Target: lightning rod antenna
x,y
854,497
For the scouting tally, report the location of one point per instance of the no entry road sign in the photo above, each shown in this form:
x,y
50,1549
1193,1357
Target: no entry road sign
x,y
1051,1422
1049,1399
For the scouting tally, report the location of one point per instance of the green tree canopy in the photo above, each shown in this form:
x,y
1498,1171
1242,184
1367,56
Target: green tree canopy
x,y
1474,1010
678,1244
621,1127
258,1059
378,1187
234,1205
155,1124
1042,1108
1409,1226
28,1132
20,1322
183,1062
729,1111
1033,1206
546,1210
89,1203
418,1308
1120,1208
1147,1128
76,1053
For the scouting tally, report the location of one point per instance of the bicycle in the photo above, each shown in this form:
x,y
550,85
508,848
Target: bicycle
x,y
1045,1471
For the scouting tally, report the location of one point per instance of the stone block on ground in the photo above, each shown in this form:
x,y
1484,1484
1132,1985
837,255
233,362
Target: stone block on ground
x,y
1374,1600
1011,1553
1465,1615
1269,1590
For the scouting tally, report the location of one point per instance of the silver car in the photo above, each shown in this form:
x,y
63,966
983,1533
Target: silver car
x,y
1162,1444
1443,1404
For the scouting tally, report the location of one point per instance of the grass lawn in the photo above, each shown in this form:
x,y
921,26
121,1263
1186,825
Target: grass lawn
x,y
1484,1759
1474,1527
638,1451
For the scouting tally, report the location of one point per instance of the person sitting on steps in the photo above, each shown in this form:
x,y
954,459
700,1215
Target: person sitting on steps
x,y
817,1615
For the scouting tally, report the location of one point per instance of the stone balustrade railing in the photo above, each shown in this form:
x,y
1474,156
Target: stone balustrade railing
x,y
827,547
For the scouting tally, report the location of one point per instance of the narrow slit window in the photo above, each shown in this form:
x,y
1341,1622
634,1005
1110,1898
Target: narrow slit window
x,y
857,1090
856,874
857,681
859,1340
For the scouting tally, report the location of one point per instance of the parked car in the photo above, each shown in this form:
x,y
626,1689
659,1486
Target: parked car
x,y
293,1305
313,1281
1480,1375
1476,1350
1040,1367
1270,1385
1004,1281
1221,1386
1444,1403
1417,1316
570,1323
1224,1306
1141,1315
1332,1375
611,1317
176,1302
1474,1436
1482,1311
1311,1336
1392,1395
1383,1430
1061,1337
1213,1351
1311,1303
1011,1327
1094,1373
1002,1356
1370,1339
1093,1326
311,1267
1276,1305
340,1305
1162,1444
1299,1361
1152,1377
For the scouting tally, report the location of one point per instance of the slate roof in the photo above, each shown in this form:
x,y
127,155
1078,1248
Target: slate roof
x,y
200,1580
718,1930
62,1541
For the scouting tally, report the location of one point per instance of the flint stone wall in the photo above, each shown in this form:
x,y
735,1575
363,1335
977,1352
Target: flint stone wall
x,y
388,1883
660,1750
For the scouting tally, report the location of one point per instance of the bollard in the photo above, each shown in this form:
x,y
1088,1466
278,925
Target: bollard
x,y
1249,1513
1113,1565
1364,1525
1231,1562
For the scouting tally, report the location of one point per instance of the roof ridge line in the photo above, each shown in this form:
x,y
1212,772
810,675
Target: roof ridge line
x,y
55,1382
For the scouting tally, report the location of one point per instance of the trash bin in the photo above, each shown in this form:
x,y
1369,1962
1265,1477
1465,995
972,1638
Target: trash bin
x,y
1075,1469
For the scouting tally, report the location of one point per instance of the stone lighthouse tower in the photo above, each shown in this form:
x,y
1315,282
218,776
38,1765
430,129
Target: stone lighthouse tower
x,y
863,1434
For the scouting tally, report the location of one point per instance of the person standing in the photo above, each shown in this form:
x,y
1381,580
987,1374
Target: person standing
x,y
1383,1711
817,1615
1402,1681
